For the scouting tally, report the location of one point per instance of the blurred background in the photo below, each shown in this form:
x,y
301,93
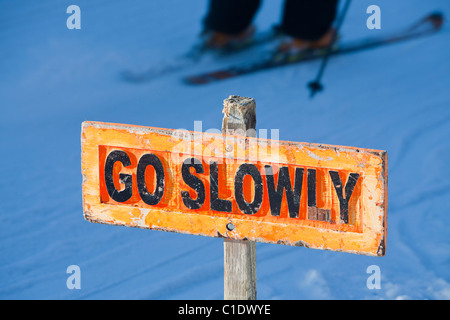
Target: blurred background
x,y
393,98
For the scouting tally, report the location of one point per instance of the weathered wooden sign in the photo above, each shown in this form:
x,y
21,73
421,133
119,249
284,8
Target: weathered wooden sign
x,y
237,187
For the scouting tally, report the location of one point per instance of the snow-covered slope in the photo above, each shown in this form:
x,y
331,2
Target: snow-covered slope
x,y
394,98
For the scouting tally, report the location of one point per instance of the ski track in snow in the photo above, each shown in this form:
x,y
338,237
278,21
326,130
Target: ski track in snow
x,y
394,98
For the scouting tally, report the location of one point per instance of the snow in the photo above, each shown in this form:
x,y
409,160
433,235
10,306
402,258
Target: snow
x,y
394,98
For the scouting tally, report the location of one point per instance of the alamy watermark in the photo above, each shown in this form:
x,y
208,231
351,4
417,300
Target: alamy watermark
x,y
374,21
239,146
374,280
74,280
74,20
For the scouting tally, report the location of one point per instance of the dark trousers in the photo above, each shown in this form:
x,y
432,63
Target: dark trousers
x,y
304,19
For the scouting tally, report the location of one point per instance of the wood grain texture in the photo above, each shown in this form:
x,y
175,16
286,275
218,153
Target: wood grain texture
x,y
239,118
239,269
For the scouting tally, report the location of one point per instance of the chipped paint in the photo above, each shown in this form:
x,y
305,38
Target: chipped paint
x,y
342,207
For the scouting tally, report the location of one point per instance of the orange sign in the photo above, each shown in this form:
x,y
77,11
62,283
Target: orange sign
x,y
301,194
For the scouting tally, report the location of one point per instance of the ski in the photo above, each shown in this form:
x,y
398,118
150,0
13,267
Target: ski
x,y
196,54
427,25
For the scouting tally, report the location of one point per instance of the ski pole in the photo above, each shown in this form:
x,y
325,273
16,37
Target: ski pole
x,y
315,85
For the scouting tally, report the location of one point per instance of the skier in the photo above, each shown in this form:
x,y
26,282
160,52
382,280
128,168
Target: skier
x,y
305,23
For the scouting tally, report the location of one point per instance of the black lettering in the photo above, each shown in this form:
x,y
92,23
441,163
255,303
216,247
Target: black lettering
x,y
217,204
349,186
243,170
116,195
193,182
146,160
312,188
284,183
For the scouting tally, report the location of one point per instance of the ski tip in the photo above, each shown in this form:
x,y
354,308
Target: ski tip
x,y
436,18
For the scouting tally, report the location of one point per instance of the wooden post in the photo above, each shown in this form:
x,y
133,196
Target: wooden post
x,y
239,255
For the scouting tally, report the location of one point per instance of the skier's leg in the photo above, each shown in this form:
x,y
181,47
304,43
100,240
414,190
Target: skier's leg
x,y
230,16
309,20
